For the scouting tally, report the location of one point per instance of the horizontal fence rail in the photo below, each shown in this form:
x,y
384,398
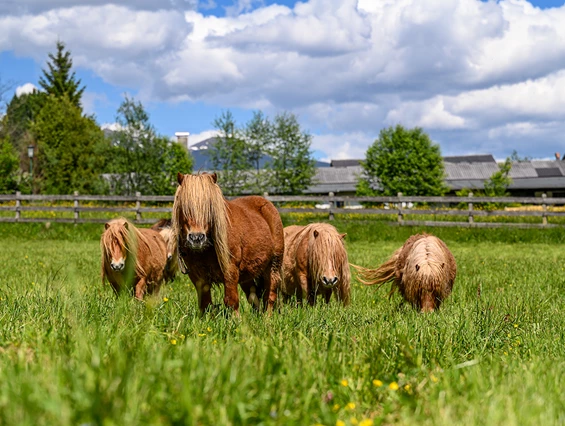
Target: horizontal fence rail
x,y
400,206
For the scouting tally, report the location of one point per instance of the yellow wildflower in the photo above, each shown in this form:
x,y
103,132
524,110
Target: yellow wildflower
x,y
377,383
350,406
353,421
340,423
434,378
165,299
201,334
515,325
335,408
393,386
344,382
173,342
366,422
209,329
407,387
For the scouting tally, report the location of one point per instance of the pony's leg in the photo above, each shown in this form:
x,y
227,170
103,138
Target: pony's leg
x,y
252,292
116,287
204,295
343,294
140,288
231,297
272,283
327,296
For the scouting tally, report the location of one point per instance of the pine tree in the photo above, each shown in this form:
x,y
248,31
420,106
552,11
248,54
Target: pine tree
x,y
59,80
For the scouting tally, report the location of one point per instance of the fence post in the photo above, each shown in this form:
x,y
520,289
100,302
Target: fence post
x,y
137,207
331,203
400,215
471,218
544,208
76,207
18,205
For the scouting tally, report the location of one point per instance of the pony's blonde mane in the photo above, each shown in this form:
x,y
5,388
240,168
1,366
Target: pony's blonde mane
x,y
327,243
427,262
201,200
127,237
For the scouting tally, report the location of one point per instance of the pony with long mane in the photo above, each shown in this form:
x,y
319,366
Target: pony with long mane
x,y
230,242
423,270
133,258
164,227
315,263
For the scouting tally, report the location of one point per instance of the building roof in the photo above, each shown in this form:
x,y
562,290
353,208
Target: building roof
x,y
345,163
481,158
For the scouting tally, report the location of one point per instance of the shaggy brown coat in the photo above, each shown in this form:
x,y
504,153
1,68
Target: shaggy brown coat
x,y
229,242
132,257
164,228
423,270
315,263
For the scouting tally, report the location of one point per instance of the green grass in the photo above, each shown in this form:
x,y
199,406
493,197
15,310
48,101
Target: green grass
x,y
73,354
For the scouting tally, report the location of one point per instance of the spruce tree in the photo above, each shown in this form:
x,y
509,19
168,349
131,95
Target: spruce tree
x,y
59,80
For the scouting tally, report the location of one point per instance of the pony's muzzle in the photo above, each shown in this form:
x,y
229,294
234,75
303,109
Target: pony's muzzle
x,y
117,266
329,282
196,240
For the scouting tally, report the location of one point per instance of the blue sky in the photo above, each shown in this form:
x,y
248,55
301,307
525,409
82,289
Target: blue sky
x,y
479,77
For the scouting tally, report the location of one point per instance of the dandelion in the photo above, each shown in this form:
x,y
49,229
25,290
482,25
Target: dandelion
x,y
515,325
344,382
434,378
407,387
505,353
353,421
335,408
366,422
377,383
201,334
339,423
173,342
165,299
393,386
208,329
350,406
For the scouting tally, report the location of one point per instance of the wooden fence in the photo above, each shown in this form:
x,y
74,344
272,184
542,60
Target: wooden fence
x,y
330,205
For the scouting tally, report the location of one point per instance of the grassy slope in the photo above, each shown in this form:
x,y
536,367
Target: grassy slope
x,y
70,353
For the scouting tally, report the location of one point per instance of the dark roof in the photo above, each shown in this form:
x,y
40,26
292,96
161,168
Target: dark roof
x,y
549,172
345,163
487,158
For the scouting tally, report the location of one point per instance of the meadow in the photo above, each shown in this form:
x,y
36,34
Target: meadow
x,y
73,354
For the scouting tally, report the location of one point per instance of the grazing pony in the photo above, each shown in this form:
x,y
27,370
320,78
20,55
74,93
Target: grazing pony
x,y
315,262
132,257
229,242
164,228
423,270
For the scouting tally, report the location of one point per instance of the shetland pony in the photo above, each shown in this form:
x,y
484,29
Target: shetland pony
x,y
315,262
229,242
132,257
423,270
164,228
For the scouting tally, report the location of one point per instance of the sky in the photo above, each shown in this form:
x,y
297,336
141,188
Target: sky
x,y
480,77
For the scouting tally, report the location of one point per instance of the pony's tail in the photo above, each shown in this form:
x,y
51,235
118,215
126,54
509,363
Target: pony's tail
x,y
383,274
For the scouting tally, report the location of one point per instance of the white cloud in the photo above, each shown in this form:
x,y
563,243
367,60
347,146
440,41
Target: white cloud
x,y
25,89
474,74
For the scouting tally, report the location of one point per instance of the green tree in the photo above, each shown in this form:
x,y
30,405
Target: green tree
x,y
229,155
71,149
402,160
143,161
292,165
258,134
59,80
8,167
497,185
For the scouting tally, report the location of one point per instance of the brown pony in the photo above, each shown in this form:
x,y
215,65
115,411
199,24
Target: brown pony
x,y
229,242
164,228
423,270
132,257
315,262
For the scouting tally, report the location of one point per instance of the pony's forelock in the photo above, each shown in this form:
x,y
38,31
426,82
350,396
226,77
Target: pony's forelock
x,y
127,237
328,242
200,199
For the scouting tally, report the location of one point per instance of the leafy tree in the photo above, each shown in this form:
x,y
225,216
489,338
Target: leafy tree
x,y
8,167
20,113
70,149
515,158
59,80
402,160
293,167
258,137
143,161
497,185
229,155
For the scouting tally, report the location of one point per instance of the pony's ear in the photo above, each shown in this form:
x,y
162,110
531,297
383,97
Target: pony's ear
x,y
106,225
180,178
342,236
316,233
214,177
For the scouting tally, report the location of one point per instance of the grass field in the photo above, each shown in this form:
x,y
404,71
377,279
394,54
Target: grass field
x,y
73,354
